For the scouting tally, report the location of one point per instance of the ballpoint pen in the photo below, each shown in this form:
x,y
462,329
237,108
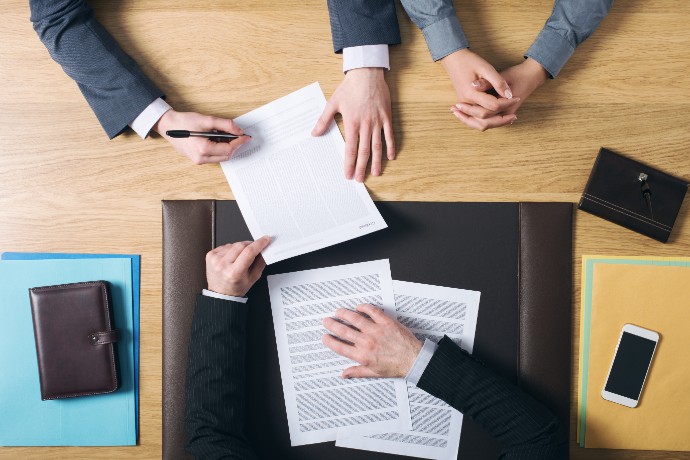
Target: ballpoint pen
x,y
216,136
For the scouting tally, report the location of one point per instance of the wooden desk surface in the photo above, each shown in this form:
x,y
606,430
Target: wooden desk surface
x,y
65,187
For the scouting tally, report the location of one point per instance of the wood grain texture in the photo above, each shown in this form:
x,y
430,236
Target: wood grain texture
x,y
65,187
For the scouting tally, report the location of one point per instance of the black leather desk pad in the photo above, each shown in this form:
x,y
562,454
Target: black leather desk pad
x,y
432,243
518,255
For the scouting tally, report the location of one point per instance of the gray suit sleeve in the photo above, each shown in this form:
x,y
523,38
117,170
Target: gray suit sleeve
x,y
110,80
570,23
363,22
439,24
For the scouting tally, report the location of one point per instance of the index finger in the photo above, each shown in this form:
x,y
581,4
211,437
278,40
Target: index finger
x,y
486,123
484,100
354,318
375,313
340,347
222,124
480,112
248,254
230,252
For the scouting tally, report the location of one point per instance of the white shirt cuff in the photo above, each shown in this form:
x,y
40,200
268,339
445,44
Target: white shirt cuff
x,y
144,122
356,57
422,360
217,295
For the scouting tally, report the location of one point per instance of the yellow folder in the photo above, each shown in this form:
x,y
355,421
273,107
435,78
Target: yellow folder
x,y
656,297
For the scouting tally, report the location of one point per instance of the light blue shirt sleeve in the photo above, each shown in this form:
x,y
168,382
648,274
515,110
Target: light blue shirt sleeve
x,y
422,360
439,24
570,23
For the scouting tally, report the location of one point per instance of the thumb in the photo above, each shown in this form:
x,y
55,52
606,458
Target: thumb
x,y
224,124
358,372
325,119
481,84
498,82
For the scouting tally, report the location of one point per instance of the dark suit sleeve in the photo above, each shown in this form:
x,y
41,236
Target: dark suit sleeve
x,y
214,415
525,428
112,83
363,22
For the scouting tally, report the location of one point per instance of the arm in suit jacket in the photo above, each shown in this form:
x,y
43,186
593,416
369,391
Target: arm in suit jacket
x,y
363,22
525,428
110,80
215,389
214,415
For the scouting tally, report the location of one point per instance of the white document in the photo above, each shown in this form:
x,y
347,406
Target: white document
x,y
430,312
291,186
319,402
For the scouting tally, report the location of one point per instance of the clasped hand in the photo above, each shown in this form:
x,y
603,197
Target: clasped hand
x,y
473,77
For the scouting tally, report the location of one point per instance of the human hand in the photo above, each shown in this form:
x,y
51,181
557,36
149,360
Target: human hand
x,y
523,79
466,69
364,101
381,345
232,269
200,150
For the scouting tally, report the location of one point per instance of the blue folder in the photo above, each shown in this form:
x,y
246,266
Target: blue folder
x,y
136,274
26,420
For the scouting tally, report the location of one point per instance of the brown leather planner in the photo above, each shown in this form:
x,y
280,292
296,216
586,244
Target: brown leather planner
x,y
519,255
74,339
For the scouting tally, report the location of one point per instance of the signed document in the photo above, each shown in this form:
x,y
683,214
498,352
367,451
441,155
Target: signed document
x,y
291,186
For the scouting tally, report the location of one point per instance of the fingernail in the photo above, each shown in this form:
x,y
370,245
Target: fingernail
x,y
513,120
459,106
376,172
360,178
509,94
476,83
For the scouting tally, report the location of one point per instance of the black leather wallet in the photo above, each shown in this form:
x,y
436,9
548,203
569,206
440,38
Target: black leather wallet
x,y
74,340
634,195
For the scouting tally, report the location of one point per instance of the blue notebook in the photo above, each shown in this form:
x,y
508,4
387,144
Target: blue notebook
x,y
136,273
25,420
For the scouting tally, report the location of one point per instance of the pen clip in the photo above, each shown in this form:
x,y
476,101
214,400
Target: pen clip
x,y
646,192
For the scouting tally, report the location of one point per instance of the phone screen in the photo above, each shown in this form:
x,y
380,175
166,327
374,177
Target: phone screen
x,y
630,366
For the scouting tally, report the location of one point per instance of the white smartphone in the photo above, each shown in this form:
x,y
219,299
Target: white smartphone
x,y
630,365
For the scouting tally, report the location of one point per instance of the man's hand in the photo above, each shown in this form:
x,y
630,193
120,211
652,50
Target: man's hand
x,y
383,346
523,78
364,102
233,269
466,69
200,150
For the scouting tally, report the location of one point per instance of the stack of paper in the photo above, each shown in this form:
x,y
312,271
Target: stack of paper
x,y
101,420
383,415
651,293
